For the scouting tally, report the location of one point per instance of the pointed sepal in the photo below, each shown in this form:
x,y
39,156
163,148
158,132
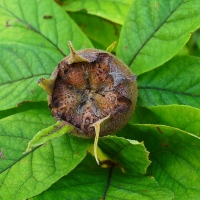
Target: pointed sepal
x,y
47,84
111,47
131,78
75,57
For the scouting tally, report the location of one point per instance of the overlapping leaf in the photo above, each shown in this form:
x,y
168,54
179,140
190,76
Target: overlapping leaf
x,y
174,154
176,82
89,181
183,117
130,155
33,39
154,31
114,11
23,176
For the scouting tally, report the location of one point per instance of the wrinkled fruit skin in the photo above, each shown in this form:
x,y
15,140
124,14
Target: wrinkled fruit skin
x,y
85,92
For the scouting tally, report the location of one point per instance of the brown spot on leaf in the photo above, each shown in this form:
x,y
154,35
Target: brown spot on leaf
x,y
1,154
159,130
109,163
25,161
59,2
156,5
20,103
164,145
8,23
47,17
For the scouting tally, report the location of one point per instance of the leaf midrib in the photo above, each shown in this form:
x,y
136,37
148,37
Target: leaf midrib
x,y
110,172
148,39
167,90
23,79
35,30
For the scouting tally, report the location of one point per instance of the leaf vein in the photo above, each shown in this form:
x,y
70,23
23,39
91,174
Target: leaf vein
x,y
35,30
148,39
108,182
168,90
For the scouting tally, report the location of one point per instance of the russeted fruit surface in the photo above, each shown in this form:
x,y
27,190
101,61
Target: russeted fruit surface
x,y
90,86
91,93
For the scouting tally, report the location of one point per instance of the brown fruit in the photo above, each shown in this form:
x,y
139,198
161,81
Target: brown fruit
x,y
92,90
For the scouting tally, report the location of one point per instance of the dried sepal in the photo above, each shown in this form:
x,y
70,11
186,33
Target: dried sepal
x,y
75,57
97,126
47,84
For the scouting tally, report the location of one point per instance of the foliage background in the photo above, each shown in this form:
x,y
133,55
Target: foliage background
x,y
156,155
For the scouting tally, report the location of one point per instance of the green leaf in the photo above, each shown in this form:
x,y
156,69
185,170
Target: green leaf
x,y
174,155
23,176
154,31
183,117
88,23
31,45
89,181
121,151
176,82
114,11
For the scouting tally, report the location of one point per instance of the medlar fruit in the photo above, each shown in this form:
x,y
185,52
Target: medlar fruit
x,y
92,90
